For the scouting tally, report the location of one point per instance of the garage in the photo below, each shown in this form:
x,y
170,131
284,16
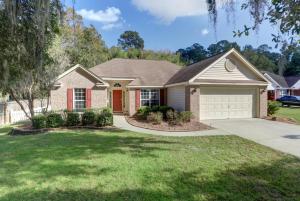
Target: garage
x,y
227,103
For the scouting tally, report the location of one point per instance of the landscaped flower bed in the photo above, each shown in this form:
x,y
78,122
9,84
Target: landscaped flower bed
x,y
165,118
90,119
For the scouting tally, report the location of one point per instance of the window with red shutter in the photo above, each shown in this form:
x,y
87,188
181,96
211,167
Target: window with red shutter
x,y
69,99
88,98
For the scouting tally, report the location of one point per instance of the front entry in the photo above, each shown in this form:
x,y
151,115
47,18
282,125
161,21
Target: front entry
x,y
117,101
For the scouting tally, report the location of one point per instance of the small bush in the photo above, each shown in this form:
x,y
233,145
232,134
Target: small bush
x,y
163,109
143,112
72,119
155,117
88,118
186,116
273,107
173,117
105,118
39,121
54,120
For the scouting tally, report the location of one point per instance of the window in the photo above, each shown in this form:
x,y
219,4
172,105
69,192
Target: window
x,y
79,99
149,97
283,92
117,85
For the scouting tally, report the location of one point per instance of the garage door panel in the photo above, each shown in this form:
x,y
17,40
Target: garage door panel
x,y
216,103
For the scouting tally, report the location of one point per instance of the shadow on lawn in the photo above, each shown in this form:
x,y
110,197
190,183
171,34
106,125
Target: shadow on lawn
x,y
47,156
279,180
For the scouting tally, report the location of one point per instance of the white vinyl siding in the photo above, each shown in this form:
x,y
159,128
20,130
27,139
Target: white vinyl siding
x,y
176,97
227,103
218,71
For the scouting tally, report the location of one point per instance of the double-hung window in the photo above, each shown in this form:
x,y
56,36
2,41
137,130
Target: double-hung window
x,y
149,97
79,99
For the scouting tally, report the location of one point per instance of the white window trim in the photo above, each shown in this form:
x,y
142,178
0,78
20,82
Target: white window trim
x,y
74,101
150,101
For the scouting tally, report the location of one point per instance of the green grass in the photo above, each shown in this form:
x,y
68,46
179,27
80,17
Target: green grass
x,y
116,166
289,112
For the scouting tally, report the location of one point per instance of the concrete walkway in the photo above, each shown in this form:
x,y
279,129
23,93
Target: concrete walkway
x,y
277,135
120,122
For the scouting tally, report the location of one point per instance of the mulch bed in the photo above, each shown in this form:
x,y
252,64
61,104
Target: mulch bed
x,y
281,119
28,130
164,126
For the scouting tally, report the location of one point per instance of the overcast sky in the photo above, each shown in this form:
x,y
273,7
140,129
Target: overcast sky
x,y
167,24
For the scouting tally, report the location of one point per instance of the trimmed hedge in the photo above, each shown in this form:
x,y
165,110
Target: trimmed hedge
x,y
144,111
105,118
72,119
185,116
173,117
39,121
88,118
155,117
54,120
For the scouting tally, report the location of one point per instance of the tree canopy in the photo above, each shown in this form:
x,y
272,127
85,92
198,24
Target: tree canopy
x,y
131,40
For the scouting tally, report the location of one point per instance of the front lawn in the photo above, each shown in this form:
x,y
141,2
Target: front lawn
x,y
289,112
121,165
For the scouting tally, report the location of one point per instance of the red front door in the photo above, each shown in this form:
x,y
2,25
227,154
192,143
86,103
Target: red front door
x,y
117,100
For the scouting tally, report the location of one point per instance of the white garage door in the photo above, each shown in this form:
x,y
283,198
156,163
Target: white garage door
x,y
225,103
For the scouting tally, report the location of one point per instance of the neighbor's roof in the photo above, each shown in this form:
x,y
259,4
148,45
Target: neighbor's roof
x,y
277,78
292,80
187,73
144,72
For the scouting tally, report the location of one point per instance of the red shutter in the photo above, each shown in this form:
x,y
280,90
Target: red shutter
x,y
69,99
162,97
137,99
88,98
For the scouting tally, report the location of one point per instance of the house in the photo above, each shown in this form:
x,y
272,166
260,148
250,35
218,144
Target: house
x,y
294,84
279,86
220,87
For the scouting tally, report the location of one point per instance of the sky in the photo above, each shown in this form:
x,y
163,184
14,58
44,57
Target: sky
x,y
168,24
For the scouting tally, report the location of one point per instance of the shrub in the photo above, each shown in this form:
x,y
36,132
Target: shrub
x,y
173,117
143,112
88,118
155,117
273,107
72,119
163,109
186,116
39,121
105,118
54,120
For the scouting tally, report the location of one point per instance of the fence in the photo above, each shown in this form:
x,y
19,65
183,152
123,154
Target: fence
x,y
16,116
10,112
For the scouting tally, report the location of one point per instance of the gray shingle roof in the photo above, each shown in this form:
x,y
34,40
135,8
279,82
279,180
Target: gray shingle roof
x,y
291,80
145,72
187,73
277,78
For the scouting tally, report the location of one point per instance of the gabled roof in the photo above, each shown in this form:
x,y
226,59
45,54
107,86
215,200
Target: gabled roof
x,y
191,72
280,80
291,80
143,72
187,73
78,66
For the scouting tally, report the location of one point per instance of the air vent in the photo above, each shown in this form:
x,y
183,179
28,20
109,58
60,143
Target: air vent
x,y
230,65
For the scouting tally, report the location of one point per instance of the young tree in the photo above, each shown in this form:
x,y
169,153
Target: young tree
x,y
131,39
27,30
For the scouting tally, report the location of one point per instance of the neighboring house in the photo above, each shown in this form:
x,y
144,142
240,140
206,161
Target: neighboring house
x,y
220,87
282,86
294,84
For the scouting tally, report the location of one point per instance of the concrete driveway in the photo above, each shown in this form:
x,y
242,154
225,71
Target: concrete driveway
x,y
280,136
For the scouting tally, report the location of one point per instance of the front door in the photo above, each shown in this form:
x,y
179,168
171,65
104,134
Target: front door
x,y
117,100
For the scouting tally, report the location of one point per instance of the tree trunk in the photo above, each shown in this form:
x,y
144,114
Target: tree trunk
x,y
20,104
